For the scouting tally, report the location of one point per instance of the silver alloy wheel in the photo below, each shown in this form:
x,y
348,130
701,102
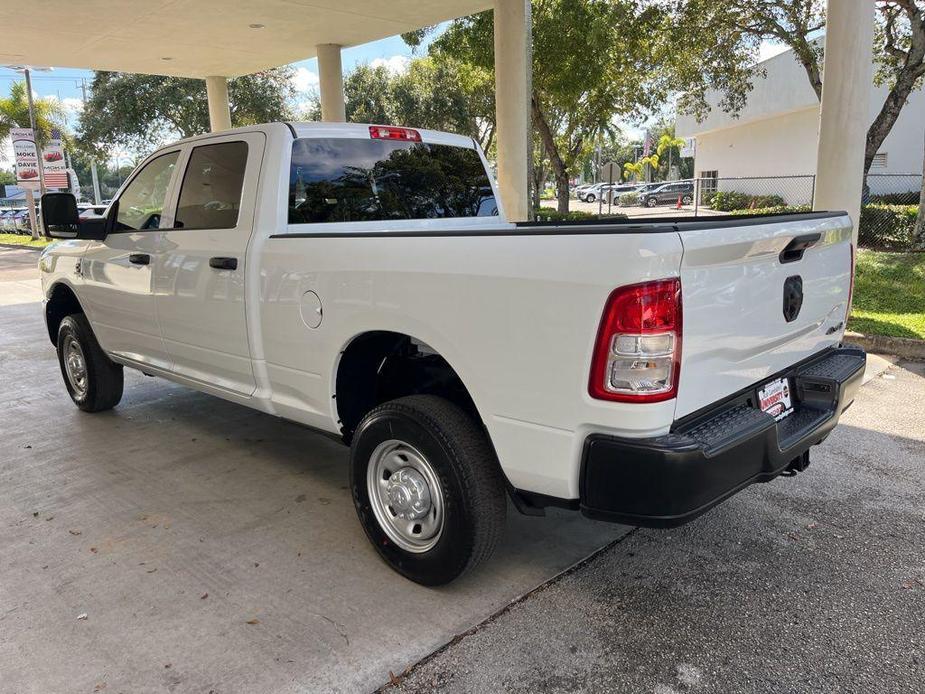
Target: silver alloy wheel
x,y
405,495
75,366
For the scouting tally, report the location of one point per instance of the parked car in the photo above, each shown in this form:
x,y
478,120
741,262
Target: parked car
x,y
21,221
312,272
668,193
6,218
582,189
594,192
612,195
86,211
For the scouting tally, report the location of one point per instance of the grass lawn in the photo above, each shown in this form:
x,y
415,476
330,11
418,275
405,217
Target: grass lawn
x,y
20,240
889,294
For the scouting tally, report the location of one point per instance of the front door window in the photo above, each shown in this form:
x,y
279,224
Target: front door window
x,y
142,202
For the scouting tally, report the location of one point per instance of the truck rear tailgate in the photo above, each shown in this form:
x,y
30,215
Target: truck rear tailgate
x,y
759,295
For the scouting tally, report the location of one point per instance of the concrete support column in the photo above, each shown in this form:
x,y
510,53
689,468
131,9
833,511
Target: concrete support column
x,y
844,114
331,83
219,109
512,105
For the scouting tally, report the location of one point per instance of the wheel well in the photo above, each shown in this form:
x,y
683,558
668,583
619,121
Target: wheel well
x,y
380,366
62,303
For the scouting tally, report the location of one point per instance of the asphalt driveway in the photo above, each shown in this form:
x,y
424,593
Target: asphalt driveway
x,y
811,584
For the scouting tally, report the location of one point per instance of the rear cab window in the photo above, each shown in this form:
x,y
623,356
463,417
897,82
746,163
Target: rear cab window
x,y
355,179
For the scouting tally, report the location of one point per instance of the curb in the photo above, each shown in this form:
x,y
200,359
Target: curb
x,y
903,347
21,247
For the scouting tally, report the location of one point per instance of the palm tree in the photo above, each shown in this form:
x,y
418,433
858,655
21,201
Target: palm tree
x,y
14,113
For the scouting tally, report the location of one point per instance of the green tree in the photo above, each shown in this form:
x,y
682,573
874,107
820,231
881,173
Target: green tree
x,y
576,93
138,112
596,63
14,113
437,93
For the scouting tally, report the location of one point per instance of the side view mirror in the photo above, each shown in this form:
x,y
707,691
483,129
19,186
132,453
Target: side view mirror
x,y
61,220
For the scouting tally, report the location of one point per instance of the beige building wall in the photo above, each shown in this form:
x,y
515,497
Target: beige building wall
x,y
783,145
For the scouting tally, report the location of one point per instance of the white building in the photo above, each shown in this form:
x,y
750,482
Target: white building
x,y
776,135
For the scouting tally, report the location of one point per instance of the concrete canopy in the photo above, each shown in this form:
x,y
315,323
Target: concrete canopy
x,y
207,37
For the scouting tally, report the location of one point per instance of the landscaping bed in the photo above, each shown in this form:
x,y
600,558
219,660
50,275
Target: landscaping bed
x,y
22,240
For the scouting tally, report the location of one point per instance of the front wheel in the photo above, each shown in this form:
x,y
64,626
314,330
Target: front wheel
x,y
590,198
687,200
651,202
93,381
427,488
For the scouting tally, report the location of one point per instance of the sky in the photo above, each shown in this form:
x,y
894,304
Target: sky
x,y
65,83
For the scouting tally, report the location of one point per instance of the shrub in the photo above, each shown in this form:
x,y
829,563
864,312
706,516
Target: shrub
x,y
549,214
630,199
731,200
910,198
777,209
887,227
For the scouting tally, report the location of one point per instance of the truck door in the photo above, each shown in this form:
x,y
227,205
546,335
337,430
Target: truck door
x,y
117,273
201,269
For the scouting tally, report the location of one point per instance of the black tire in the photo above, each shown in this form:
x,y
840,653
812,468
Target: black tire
x,y
464,463
687,200
590,198
103,382
651,202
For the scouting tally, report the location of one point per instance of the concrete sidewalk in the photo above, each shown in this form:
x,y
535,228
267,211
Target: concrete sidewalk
x,y
211,548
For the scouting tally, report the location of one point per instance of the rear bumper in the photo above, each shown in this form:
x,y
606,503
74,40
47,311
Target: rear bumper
x,y
709,456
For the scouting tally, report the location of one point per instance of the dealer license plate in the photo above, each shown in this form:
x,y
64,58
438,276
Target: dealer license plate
x,y
774,398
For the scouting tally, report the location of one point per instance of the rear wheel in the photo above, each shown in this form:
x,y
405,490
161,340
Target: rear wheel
x,y
93,381
687,199
427,488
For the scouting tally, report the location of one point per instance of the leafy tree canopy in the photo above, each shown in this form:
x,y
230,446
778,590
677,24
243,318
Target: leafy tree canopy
x,y
139,112
435,93
597,63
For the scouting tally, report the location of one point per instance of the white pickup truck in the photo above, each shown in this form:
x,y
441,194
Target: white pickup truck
x,y
362,280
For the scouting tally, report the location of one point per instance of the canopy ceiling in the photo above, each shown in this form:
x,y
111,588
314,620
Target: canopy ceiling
x,y
200,38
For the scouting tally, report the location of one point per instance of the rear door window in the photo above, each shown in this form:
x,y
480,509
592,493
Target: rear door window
x,y
359,180
210,197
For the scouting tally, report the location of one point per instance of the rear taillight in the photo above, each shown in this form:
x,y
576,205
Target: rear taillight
x,y
637,356
389,132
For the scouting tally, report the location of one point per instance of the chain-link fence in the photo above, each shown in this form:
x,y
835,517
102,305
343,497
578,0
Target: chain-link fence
x,y
889,209
754,193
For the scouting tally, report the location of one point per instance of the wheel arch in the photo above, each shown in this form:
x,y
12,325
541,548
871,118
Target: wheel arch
x,y
379,365
61,301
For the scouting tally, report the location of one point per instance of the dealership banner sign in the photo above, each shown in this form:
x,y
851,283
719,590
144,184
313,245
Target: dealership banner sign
x,y
27,161
53,163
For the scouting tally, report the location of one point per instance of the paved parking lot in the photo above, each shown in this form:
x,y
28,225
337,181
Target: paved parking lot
x,y
181,543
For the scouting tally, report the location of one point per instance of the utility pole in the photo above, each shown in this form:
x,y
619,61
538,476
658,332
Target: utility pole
x,y
96,181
